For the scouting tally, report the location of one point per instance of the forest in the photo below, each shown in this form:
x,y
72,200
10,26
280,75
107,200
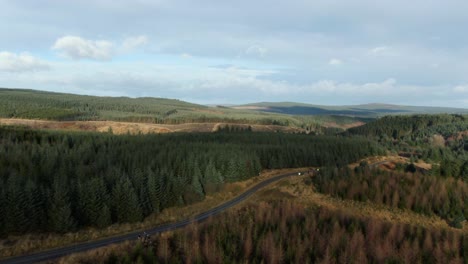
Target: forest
x,y
425,194
400,127
287,232
31,104
60,182
437,139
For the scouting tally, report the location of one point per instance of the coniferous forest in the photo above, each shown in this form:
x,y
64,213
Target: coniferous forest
x,y
60,182
263,132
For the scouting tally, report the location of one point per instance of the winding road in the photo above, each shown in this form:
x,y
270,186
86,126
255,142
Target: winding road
x,y
63,251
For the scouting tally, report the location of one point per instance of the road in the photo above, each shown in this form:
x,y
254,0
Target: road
x,y
63,251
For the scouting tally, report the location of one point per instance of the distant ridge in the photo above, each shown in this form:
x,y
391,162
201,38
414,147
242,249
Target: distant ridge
x,y
362,110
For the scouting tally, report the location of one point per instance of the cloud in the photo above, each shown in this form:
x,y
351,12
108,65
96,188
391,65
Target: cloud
x,y
335,62
227,84
131,43
23,62
78,48
461,89
256,50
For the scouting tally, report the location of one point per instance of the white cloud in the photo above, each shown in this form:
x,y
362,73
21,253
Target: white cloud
x,y
131,43
23,62
461,89
256,50
335,62
78,48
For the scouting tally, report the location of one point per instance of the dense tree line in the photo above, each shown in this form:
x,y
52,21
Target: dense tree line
x,y
397,127
440,139
51,181
445,197
286,232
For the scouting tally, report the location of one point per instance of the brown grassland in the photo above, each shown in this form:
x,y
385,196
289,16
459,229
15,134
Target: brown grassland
x,y
119,128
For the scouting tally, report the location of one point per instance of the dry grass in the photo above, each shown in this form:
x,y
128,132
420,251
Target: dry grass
x,y
343,126
391,161
18,245
136,128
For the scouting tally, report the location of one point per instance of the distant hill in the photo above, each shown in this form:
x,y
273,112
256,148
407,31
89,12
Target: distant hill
x,y
32,104
365,110
406,126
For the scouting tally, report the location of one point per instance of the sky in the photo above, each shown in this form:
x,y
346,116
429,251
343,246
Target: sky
x,y
325,52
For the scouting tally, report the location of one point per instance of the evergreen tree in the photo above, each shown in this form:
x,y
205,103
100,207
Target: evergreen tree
x,y
140,181
212,178
3,211
60,214
232,172
125,202
36,206
16,206
93,203
154,191
196,184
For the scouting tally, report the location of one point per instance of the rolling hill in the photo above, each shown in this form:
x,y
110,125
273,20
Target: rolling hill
x,y
364,110
41,105
32,104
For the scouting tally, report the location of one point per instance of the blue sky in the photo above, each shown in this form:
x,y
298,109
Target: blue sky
x,y
232,52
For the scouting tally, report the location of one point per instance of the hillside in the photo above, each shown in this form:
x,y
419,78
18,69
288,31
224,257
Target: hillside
x,y
399,127
32,104
439,139
61,179
365,110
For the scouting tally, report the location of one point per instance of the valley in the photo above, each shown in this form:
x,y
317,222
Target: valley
x,y
84,189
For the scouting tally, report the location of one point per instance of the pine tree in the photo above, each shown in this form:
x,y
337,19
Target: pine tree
x,y
212,178
154,191
232,172
196,184
16,204
104,218
125,202
60,214
36,206
140,181
92,202
2,209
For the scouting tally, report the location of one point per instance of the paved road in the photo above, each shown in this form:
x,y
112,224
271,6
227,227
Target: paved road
x,y
60,252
